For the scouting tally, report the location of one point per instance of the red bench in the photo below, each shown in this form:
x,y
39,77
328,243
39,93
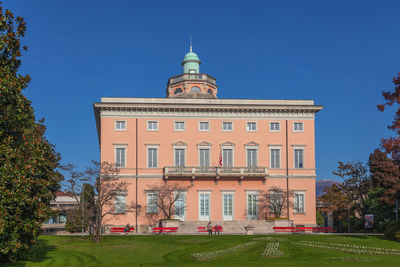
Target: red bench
x,y
121,229
303,229
214,229
165,230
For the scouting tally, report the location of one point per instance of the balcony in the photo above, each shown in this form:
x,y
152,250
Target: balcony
x,y
215,172
192,76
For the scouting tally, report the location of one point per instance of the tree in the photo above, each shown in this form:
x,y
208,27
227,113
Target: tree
x,y
274,202
107,186
28,162
335,200
356,184
385,174
392,144
163,197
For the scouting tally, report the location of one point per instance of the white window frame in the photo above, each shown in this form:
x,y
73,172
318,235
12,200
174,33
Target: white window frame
x,y
231,130
179,147
120,129
179,130
118,146
149,194
228,192
182,218
122,194
205,217
303,192
248,216
273,130
298,131
280,156
209,155
247,126
247,159
148,147
148,124
294,156
233,155
204,130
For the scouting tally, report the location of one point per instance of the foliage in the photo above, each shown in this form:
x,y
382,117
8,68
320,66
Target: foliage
x,y
165,196
392,144
28,162
337,200
107,184
320,219
74,221
275,202
392,230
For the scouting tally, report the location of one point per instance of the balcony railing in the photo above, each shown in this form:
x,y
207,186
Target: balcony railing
x,y
176,171
192,76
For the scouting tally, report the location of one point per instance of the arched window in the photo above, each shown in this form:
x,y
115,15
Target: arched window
x,y
195,89
178,91
209,91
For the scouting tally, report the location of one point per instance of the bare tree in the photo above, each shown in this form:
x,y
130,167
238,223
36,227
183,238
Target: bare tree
x,y
274,202
163,197
107,185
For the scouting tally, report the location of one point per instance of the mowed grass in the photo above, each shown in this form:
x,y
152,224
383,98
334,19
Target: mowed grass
x,y
175,250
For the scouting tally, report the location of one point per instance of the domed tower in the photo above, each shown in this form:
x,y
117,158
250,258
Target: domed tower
x,y
192,83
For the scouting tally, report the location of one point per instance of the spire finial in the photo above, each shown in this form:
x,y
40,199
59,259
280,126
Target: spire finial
x,y
190,42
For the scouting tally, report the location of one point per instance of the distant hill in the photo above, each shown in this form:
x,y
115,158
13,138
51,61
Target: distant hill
x,y
321,184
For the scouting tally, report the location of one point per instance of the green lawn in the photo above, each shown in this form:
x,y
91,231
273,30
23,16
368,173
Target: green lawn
x,y
233,251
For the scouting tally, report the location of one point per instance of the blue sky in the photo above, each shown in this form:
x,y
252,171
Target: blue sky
x,y
342,54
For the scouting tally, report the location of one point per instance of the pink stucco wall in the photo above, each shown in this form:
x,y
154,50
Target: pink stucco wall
x,y
166,136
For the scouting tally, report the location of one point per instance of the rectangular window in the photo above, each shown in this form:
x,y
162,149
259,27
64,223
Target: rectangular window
x,y
180,205
227,206
298,127
120,125
152,125
252,157
275,158
179,157
227,157
275,202
120,154
299,202
204,206
251,126
227,126
152,156
179,126
204,126
120,204
152,203
252,206
204,155
274,127
299,158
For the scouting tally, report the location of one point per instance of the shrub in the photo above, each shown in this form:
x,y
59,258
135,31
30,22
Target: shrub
x,y
392,231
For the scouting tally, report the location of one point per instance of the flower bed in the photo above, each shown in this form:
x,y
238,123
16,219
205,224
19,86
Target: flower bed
x,y
209,255
272,250
352,249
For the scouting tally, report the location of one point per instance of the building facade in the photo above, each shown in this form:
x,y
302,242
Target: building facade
x,y
230,151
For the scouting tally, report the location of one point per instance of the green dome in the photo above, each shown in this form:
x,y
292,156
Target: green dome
x,y
191,56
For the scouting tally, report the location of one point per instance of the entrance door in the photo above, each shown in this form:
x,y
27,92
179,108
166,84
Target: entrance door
x,y
227,206
180,207
204,206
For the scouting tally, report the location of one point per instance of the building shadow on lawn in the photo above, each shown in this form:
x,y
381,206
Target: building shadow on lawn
x,y
37,253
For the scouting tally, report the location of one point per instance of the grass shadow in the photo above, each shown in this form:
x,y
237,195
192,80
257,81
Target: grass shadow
x,y
37,253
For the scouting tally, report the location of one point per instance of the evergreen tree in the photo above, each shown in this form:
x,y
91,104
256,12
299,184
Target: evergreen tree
x,y
28,162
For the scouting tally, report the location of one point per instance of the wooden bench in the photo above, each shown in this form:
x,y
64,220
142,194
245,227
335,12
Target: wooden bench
x,y
214,229
121,229
165,230
303,229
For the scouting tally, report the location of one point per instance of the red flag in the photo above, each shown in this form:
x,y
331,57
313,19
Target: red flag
x,y
220,159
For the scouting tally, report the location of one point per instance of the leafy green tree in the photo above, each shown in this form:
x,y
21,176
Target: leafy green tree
x,y
28,162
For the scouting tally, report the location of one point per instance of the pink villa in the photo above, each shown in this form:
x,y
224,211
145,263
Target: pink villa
x,y
229,151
